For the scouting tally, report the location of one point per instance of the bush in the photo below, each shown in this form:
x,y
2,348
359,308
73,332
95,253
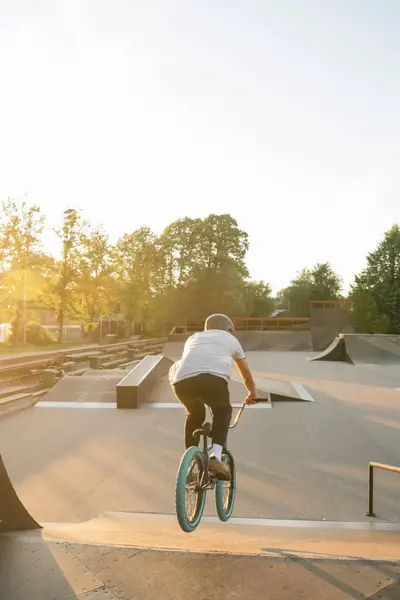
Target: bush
x,y
38,335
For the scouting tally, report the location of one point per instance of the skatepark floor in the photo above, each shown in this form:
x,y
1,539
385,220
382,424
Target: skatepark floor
x,y
61,571
300,461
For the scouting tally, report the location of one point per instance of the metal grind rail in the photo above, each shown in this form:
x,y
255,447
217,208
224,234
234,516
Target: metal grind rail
x,y
371,467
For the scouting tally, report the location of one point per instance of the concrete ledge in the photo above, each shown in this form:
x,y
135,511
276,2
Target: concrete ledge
x,y
17,402
343,541
135,387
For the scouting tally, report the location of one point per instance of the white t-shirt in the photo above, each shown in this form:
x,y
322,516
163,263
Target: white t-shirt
x,y
209,351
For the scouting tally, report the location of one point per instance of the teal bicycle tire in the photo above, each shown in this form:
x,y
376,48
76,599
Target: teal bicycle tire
x,y
188,525
225,513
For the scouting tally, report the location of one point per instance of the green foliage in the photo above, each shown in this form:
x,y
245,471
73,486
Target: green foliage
x,y
134,257
318,283
38,335
376,290
94,281
258,301
366,316
195,267
21,227
64,296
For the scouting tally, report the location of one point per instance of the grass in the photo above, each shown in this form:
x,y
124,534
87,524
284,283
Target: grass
x,y
29,348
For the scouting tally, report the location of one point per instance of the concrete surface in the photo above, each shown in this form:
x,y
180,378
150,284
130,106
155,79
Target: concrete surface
x,y
363,349
238,536
162,391
278,341
300,461
13,515
36,569
99,387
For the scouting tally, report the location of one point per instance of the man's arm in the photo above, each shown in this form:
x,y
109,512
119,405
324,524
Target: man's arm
x,y
245,373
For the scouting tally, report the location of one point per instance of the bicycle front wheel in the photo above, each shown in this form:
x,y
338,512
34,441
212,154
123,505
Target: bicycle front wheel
x,y
225,491
189,497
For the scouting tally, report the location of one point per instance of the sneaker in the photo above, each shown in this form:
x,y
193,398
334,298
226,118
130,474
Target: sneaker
x,y
219,469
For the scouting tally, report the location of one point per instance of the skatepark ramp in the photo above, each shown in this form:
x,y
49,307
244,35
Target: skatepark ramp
x,y
261,341
370,349
94,386
276,341
13,514
146,556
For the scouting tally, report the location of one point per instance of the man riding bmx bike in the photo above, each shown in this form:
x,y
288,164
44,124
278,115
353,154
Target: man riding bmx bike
x,y
201,378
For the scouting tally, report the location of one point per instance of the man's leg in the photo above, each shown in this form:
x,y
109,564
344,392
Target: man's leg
x,y
219,402
215,393
187,393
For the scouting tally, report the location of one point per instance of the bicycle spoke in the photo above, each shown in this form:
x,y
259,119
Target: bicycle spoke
x,y
192,489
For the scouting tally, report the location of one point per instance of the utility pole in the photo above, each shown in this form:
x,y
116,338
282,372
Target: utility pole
x,y
24,308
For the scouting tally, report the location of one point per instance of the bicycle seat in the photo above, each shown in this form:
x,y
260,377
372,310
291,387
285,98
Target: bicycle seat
x,y
205,430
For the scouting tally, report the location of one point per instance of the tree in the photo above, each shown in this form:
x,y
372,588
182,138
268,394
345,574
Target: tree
x,y
221,291
134,258
258,299
376,290
366,315
318,283
199,267
64,297
21,226
222,243
177,252
94,282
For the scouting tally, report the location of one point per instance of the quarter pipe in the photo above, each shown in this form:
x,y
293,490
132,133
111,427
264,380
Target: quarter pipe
x,y
13,514
354,348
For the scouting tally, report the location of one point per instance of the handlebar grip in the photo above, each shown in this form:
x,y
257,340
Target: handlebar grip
x,y
258,400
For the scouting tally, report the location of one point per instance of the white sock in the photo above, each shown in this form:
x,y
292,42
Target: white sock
x,y
216,451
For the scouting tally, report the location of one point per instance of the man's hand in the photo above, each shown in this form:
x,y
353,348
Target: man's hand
x,y
251,399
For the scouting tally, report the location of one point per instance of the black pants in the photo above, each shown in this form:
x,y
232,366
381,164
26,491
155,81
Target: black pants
x,y
196,392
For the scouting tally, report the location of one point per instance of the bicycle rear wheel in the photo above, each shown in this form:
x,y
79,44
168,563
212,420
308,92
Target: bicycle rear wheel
x,y
225,491
189,498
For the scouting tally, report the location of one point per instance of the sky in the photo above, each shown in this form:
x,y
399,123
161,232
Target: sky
x,y
283,113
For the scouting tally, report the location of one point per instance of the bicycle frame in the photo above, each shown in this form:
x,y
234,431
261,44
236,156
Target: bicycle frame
x,y
208,481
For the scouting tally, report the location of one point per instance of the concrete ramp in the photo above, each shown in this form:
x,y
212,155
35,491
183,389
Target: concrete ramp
x,y
13,514
94,386
254,341
148,557
372,349
278,341
272,389
336,351
237,536
162,392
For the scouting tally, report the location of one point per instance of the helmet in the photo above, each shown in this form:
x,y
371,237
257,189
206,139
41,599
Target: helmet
x,y
219,322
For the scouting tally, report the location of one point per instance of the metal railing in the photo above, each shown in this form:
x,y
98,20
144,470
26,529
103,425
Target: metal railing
x,y
335,304
371,467
250,324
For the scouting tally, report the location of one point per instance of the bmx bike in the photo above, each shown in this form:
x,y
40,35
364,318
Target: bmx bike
x,y
194,480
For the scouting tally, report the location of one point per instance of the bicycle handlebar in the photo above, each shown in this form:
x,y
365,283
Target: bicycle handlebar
x,y
241,409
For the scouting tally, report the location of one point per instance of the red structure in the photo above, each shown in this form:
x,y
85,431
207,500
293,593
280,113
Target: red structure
x,y
268,323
